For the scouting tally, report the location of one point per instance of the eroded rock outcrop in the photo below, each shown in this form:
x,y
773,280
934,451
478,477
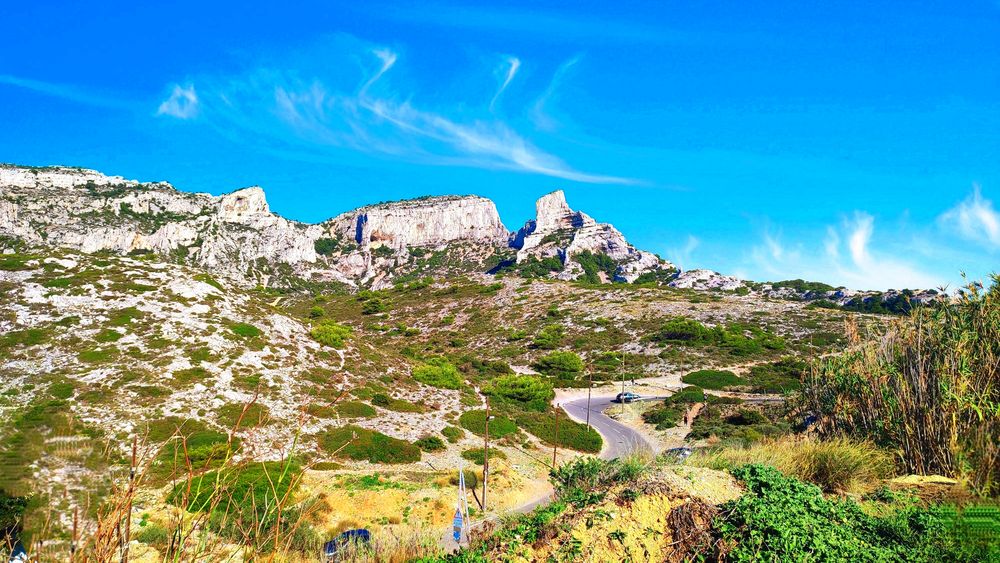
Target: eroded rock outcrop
x,y
559,231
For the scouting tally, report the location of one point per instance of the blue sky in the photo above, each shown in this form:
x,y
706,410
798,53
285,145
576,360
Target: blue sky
x,y
856,143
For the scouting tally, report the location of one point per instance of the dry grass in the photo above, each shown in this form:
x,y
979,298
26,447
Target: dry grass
x,y
839,464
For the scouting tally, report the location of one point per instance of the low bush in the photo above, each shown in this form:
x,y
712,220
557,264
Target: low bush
x,y
550,337
477,455
585,481
778,377
712,379
475,422
61,390
430,444
561,365
782,519
245,330
255,415
438,372
362,444
330,334
663,416
453,433
569,434
530,392
355,409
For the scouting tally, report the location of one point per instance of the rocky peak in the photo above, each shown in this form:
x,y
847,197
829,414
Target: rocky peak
x,y
557,230
241,204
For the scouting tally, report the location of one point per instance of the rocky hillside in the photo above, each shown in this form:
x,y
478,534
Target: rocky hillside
x,y
237,234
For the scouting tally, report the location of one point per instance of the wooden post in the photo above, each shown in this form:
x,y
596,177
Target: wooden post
x,y
486,451
590,387
623,382
555,442
126,537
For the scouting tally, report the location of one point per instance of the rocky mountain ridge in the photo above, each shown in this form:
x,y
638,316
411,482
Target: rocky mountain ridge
x,y
237,235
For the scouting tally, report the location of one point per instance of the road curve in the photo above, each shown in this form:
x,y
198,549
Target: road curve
x,y
619,439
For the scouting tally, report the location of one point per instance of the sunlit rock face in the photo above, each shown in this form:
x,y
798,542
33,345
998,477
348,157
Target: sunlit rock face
x,y
559,231
422,222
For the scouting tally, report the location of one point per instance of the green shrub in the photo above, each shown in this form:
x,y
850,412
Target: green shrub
x,y
381,400
355,409
531,392
571,434
594,264
330,334
550,337
782,519
97,355
561,365
475,422
61,390
125,316
245,330
438,372
453,433
663,416
205,278
430,444
153,534
316,312
478,455
778,377
374,306
191,375
712,379
108,335
738,339
362,444
256,415
584,481
326,246
687,395
28,337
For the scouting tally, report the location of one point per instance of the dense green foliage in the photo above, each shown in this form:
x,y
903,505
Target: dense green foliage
x,y
528,391
595,264
739,427
782,519
803,286
478,455
778,377
475,422
550,337
438,372
330,334
430,444
712,379
362,444
738,339
245,329
561,365
566,434
532,267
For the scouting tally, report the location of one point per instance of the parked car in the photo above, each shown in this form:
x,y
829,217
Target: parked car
x,y
627,397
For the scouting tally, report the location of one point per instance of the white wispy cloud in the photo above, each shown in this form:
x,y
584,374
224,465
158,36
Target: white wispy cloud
x,y
66,92
974,219
182,103
512,63
539,115
314,106
848,257
682,256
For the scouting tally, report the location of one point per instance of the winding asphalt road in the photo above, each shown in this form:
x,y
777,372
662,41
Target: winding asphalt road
x,y
619,439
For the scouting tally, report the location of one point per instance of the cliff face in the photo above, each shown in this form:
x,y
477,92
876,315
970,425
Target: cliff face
x,y
422,222
235,233
559,231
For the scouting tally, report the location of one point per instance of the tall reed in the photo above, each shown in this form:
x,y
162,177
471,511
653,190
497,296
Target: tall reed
x,y
927,386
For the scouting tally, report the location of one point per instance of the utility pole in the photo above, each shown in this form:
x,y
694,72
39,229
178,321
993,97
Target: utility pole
x,y
486,451
590,387
555,442
623,381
